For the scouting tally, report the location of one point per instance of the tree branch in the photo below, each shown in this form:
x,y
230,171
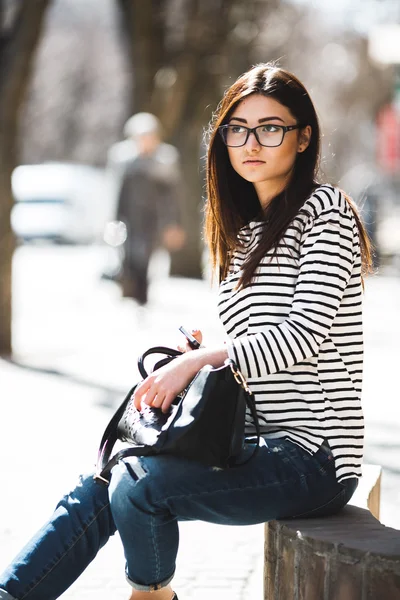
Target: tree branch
x,y
206,40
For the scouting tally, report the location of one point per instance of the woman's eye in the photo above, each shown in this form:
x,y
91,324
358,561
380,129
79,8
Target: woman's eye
x,y
270,128
237,129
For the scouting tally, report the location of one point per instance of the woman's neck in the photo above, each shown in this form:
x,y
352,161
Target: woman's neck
x,y
268,190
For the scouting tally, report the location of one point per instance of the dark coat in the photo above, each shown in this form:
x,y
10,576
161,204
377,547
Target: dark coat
x,y
148,202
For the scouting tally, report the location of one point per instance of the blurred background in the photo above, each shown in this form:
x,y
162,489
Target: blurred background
x,y
72,73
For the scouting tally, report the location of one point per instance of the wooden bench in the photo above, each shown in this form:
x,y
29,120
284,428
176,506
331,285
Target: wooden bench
x,y
349,556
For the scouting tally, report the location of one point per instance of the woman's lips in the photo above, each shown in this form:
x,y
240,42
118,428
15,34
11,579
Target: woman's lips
x,y
253,162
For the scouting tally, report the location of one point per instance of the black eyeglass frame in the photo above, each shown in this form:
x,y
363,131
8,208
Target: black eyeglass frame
x,y
284,128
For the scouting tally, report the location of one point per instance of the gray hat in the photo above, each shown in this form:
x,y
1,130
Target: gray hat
x,y
141,124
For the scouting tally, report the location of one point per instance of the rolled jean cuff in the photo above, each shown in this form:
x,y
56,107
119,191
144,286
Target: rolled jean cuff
x,y
5,595
138,586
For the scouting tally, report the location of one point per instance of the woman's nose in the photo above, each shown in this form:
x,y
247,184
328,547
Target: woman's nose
x,y
252,142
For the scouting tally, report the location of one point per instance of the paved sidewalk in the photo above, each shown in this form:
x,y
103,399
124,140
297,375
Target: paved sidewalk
x,y
76,343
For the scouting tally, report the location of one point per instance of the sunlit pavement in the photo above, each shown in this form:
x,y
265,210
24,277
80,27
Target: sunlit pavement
x,y
76,343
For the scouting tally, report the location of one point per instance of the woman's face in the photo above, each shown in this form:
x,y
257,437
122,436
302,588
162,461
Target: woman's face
x,y
267,168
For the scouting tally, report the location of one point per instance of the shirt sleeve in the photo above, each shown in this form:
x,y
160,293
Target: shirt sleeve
x,y
327,253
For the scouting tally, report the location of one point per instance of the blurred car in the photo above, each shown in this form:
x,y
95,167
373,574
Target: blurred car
x,y
63,202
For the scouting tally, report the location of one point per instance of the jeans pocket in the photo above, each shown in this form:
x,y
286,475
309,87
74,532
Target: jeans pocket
x,y
335,504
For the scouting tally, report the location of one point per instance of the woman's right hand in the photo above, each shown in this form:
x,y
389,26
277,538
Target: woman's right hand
x,y
196,333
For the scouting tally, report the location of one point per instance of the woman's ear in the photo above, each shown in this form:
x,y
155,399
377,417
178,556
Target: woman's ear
x,y
304,138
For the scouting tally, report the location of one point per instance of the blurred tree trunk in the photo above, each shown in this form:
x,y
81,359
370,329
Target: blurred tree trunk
x,y
181,54
20,27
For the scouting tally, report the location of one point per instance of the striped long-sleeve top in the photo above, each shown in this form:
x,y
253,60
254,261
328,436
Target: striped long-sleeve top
x,y
296,331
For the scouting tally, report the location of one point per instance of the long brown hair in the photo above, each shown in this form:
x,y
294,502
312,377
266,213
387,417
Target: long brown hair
x,y
232,201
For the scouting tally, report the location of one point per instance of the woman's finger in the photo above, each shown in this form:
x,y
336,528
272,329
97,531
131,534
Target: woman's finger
x,y
166,404
140,391
157,401
198,335
150,395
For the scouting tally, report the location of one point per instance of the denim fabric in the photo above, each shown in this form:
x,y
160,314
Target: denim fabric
x,y
61,550
149,496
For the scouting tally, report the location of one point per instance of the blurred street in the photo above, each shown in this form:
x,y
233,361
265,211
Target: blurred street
x,y
75,346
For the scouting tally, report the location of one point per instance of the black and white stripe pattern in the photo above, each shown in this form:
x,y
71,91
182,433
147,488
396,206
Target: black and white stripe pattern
x,y
296,332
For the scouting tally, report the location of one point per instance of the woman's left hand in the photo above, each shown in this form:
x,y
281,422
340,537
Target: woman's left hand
x,y
161,387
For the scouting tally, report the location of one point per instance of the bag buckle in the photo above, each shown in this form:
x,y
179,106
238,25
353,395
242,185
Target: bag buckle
x,y
239,377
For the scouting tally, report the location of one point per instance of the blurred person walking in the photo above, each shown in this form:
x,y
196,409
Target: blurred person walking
x,y
149,187
289,253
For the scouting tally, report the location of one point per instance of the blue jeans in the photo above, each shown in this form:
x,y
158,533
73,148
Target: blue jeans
x,y
147,498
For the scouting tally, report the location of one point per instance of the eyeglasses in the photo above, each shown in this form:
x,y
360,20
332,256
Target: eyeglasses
x,y
266,135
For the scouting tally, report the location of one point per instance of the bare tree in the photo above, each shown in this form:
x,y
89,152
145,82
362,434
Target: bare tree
x,y
21,24
182,53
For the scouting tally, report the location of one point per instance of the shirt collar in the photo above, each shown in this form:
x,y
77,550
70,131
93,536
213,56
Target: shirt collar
x,y
254,224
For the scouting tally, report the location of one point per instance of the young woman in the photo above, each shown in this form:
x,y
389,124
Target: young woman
x,y
290,254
